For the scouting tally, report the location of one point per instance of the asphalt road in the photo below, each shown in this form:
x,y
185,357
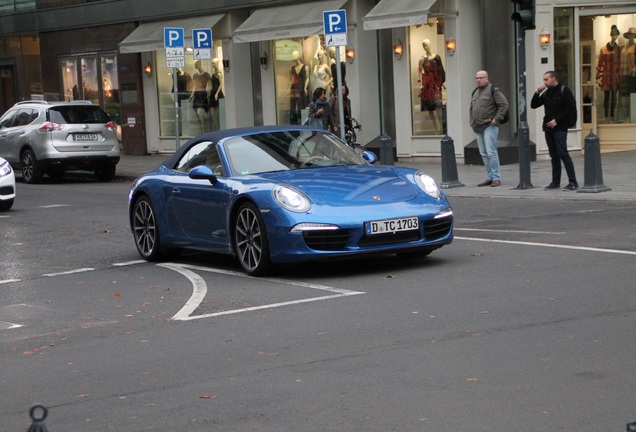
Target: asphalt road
x,y
525,322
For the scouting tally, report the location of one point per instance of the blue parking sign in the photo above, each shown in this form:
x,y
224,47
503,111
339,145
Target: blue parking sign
x,y
335,27
173,37
202,38
335,21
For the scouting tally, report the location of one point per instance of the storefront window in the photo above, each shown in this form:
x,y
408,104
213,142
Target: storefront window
x,y
428,78
300,66
92,77
199,94
613,66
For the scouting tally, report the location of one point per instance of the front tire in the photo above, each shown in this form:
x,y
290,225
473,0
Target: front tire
x,y
31,173
146,230
250,241
6,205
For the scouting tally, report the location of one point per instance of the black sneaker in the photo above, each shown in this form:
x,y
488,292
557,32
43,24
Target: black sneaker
x,y
552,186
571,186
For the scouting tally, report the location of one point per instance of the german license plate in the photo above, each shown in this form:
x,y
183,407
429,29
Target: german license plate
x,y
84,137
392,225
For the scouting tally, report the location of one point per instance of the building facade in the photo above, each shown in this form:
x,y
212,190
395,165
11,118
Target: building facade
x,y
409,66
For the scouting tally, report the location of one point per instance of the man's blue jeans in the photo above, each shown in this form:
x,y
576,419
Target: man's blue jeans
x,y
487,143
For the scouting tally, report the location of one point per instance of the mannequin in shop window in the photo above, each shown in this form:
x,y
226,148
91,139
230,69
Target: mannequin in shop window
x,y
217,93
608,73
298,88
322,71
334,72
184,86
628,73
200,85
433,77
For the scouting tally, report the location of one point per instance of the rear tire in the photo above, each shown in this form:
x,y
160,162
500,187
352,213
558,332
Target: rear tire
x,y
31,173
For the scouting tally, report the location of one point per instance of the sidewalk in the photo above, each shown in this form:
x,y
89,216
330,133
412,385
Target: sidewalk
x,y
618,171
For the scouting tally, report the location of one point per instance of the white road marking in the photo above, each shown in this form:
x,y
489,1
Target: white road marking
x,y
129,263
70,272
6,281
55,205
8,326
200,290
548,245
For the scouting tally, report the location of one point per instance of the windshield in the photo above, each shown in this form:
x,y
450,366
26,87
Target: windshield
x,y
287,150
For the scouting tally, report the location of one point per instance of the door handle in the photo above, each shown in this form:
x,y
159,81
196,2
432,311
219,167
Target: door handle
x,y
176,191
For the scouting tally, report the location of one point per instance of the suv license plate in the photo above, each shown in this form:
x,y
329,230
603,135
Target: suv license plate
x,y
84,137
392,225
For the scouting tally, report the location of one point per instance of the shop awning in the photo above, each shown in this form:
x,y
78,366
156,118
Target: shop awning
x,y
284,22
397,13
149,36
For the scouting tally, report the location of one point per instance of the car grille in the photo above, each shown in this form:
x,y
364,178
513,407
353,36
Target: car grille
x,y
327,240
437,228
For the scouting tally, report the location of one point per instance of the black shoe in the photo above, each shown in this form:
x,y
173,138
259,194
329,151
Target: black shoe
x,y
571,186
485,183
552,186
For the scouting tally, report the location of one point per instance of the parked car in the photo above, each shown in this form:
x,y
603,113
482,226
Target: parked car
x,y
51,138
7,185
284,194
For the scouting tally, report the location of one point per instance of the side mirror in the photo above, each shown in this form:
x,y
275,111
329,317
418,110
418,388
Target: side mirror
x,y
369,156
202,172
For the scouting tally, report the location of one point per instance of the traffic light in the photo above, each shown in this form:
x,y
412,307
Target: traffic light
x,y
524,13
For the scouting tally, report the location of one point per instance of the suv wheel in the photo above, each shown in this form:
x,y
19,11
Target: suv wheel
x,y
31,173
105,173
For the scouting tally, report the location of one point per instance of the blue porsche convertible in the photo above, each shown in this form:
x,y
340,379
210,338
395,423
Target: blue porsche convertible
x,y
284,194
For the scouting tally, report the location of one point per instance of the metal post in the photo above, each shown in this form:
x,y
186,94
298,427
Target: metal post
x,y
593,170
339,90
449,164
386,149
523,134
176,105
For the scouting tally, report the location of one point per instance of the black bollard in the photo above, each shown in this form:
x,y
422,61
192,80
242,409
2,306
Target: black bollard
x,y
523,140
449,165
386,149
38,414
593,170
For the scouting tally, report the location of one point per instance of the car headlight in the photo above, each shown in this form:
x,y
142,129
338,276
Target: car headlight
x,y
291,198
427,184
5,169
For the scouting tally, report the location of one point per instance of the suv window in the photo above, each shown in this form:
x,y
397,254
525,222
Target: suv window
x,y
24,117
73,114
7,119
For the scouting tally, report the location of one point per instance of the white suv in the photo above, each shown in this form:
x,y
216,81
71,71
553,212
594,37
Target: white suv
x,y
41,137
